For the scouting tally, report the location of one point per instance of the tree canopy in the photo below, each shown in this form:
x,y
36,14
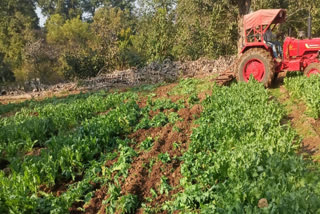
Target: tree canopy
x,y
82,37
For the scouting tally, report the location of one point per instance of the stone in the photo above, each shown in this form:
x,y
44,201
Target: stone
x,y
263,202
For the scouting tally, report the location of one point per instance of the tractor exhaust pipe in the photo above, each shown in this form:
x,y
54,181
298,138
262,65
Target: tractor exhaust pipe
x,y
309,25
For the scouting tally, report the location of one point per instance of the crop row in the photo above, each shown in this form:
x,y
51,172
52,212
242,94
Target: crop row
x,y
240,154
306,89
15,107
80,154
64,157
34,126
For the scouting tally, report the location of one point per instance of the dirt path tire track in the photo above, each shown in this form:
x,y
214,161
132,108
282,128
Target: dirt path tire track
x,y
306,127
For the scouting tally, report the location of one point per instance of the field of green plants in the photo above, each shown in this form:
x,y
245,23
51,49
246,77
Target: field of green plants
x,y
191,147
307,90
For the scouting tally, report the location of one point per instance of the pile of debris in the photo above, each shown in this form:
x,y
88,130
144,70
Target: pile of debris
x,y
152,73
167,71
156,72
205,66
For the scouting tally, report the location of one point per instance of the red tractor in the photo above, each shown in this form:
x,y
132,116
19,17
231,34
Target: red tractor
x,y
256,56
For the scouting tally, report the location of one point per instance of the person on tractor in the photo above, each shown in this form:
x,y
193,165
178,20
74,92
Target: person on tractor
x,y
275,45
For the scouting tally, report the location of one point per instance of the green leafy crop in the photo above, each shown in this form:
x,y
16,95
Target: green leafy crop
x,y
147,143
240,153
306,89
164,157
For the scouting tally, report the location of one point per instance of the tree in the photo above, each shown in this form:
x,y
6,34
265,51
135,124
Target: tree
x,y
244,8
151,6
5,72
90,6
71,34
202,29
73,8
18,21
41,62
71,37
66,8
123,4
155,38
113,40
8,9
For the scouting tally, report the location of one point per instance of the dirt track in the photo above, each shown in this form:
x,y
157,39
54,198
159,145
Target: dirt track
x,y
307,128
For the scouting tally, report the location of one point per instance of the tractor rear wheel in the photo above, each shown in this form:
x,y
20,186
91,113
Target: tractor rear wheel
x,y
312,69
258,63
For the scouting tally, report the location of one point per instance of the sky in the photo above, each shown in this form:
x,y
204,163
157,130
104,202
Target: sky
x,y
42,18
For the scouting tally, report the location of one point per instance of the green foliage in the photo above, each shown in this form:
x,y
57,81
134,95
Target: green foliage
x,y
54,27
5,71
88,36
68,9
201,29
122,4
72,36
128,203
161,118
164,158
113,38
240,153
31,104
147,143
162,104
17,21
66,156
155,40
82,65
306,89
51,119
191,87
173,117
153,193
164,186
73,32
193,99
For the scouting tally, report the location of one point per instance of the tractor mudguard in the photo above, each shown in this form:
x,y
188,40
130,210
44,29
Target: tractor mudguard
x,y
254,45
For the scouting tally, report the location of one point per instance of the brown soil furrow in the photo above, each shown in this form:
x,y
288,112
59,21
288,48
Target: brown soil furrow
x,y
141,180
305,126
146,169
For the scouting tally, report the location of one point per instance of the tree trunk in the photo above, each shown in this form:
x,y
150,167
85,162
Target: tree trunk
x,y
244,8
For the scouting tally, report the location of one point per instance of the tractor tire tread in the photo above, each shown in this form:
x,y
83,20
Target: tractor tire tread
x,y
267,56
311,66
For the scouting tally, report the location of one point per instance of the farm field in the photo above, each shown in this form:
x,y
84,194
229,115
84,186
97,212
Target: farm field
x,y
185,147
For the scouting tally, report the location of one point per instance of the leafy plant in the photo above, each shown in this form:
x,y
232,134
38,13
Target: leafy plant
x,y
164,157
159,120
147,143
153,193
193,99
173,117
240,153
306,89
164,186
128,203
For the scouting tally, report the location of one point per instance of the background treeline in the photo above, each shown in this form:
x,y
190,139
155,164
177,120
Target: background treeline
x,y
82,37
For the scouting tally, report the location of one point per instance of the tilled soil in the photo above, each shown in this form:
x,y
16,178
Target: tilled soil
x,y
308,128
144,176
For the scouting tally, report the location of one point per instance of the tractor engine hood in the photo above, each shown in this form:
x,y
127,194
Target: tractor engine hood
x,y
296,47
